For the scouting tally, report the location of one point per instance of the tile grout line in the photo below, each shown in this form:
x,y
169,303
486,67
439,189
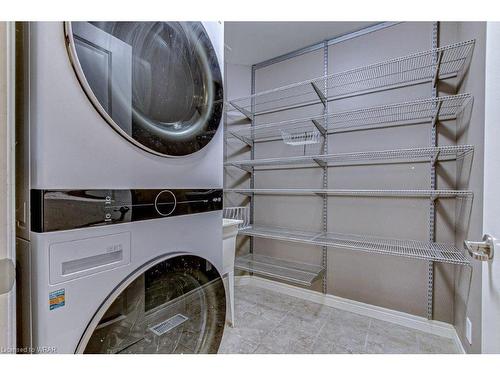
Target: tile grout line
x,y
367,333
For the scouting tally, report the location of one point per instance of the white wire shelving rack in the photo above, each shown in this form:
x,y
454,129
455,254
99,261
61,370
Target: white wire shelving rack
x,y
437,252
408,155
423,111
406,193
429,66
448,62
297,273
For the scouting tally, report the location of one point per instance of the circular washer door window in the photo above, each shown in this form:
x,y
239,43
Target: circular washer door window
x,y
158,84
176,305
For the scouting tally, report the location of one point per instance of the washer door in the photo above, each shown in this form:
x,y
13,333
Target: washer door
x,y
176,305
158,84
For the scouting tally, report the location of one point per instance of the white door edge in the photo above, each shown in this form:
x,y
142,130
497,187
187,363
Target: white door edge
x,y
490,298
7,179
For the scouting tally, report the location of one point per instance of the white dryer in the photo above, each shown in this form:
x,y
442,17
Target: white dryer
x,y
158,85
120,223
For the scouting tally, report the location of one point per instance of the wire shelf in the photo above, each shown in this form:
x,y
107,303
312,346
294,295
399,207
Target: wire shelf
x,y
430,251
408,193
426,154
298,273
406,113
428,66
238,213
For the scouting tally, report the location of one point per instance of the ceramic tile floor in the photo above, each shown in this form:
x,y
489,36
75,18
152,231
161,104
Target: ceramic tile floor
x,y
270,322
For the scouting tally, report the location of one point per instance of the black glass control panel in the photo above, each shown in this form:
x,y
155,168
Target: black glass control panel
x,y
53,210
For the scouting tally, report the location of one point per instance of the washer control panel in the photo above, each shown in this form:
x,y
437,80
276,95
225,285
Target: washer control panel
x,y
53,210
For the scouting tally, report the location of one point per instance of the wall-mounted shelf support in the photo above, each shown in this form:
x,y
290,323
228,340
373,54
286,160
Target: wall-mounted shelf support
x,y
242,138
435,157
433,142
245,168
318,126
435,118
436,72
243,111
320,162
321,96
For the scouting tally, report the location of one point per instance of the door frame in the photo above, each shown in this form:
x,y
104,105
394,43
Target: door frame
x,y
7,178
490,298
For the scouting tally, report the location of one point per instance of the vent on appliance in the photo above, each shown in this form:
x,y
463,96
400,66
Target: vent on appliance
x,y
169,324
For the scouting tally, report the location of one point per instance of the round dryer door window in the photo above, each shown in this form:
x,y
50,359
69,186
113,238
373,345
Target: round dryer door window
x,y
173,306
158,84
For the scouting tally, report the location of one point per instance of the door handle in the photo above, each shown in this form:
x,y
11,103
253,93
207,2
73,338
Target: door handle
x,y
7,275
482,250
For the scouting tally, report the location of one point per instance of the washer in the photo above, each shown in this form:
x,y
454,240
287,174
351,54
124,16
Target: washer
x,y
146,285
119,211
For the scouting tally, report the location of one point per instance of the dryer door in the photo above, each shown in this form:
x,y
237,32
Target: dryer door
x,y
159,84
174,305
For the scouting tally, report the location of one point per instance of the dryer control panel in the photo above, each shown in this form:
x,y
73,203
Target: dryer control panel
x,y
53,210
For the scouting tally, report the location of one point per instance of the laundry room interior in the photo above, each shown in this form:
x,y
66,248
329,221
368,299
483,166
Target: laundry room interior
x,y
355,153
249,187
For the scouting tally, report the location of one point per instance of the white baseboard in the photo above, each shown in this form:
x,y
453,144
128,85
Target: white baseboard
x,y
458,343
404,319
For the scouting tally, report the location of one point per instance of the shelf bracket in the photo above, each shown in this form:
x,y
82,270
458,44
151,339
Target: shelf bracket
x,y
435,118
242,138
319,93
243,167
438,66
248,193
435,157
320,127
245,112
320,162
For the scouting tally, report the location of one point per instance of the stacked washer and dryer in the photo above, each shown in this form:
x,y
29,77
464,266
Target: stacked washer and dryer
x,y
120,187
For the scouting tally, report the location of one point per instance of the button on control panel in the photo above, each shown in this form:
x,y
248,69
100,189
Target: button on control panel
x,y
165,202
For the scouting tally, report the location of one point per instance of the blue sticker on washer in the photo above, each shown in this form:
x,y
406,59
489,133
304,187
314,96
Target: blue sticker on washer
x,y
57,299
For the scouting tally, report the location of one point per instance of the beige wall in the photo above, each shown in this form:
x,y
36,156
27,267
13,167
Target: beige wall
x,y
7,302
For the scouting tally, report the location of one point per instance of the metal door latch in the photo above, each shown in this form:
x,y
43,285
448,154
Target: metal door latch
x,y
482,250
7,275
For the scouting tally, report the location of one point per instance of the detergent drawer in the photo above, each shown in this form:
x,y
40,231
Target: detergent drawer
x,y
74,259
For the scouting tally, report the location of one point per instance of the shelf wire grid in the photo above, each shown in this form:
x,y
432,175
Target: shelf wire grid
x,y
437,252
423,154
427,66
411,112
406,193
417,67
298,273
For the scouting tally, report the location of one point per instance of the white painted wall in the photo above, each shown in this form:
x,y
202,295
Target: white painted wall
x,y
7,301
